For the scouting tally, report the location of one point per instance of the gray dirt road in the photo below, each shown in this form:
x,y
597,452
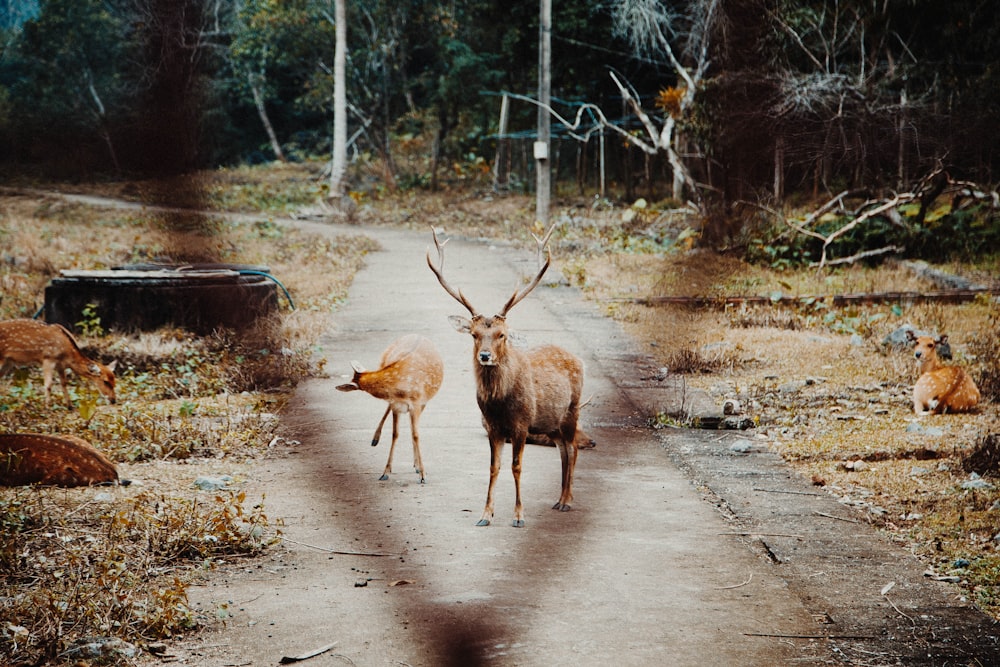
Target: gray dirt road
x,y
677,551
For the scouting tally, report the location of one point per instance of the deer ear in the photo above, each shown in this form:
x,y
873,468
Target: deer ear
x,y
942,339
350,386
113,365
910,335
461,324
358,368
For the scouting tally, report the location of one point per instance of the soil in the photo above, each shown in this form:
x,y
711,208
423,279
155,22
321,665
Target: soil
x,y
682,547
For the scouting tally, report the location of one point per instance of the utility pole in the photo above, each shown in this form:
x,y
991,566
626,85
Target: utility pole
x,y
543,168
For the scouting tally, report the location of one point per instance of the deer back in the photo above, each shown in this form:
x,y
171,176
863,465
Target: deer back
x,y
52,460
410,370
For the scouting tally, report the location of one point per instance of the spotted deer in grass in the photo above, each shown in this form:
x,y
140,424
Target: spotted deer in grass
x,y
940,388
53,460
520,393
25,342
409,375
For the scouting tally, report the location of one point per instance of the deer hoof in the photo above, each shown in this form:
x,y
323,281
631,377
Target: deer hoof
x,y
483,522
374,442
383,477
561,507
517,523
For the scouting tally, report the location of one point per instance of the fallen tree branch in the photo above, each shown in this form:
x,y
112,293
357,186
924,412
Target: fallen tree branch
x,y
334,551
940,296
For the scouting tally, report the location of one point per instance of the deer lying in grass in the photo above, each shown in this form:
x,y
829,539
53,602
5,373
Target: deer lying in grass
x,y
940,388
409,375
28,342
519,392
52,460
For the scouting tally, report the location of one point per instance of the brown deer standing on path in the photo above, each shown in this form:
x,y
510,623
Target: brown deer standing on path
x,y
24,342
519,392
52,460
409,375
940,388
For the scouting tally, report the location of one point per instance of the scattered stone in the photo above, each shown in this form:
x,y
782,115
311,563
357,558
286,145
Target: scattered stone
x,y
855,466
917,471
206,483
961,562
975,482
100,648
741,446
917,427
731,407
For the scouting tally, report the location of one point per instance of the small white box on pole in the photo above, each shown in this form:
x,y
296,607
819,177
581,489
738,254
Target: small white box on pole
x,y
541,150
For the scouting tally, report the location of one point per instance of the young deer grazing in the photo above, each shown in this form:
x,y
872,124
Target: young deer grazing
x,y
940,388
52,460
24,342
519,392
409,375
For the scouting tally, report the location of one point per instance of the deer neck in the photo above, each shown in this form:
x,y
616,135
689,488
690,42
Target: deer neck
x,y
930,363
506,378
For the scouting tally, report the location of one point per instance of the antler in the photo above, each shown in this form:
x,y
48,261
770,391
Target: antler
x,y
517,296
456,294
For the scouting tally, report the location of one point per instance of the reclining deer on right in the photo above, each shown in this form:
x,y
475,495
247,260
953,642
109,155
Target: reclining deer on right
x,y
939,388
519,392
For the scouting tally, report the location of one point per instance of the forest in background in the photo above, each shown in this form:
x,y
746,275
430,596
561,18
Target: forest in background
x,y
710,101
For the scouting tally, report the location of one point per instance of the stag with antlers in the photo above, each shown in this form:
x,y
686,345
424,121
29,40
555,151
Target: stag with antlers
x,y
519,392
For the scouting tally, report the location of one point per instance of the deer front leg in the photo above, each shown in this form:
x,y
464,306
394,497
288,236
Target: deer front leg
x,y
48,371
418,464
496,449
515,467
392,447
567,453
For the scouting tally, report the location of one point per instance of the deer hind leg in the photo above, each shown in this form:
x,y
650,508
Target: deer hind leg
x,y
418,463
515,467
567,453
496,450
392,446
378,429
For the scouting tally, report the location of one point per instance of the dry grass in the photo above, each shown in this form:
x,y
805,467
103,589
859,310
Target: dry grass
x,y
116,562
826,392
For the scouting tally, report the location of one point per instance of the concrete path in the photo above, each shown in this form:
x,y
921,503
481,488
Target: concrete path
x,y
676,552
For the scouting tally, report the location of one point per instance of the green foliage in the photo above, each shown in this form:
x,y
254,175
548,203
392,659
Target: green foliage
x,y
946,235
90,324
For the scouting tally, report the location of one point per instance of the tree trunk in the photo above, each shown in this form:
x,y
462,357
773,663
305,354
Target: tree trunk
x,y
338,166
258,100
779,168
